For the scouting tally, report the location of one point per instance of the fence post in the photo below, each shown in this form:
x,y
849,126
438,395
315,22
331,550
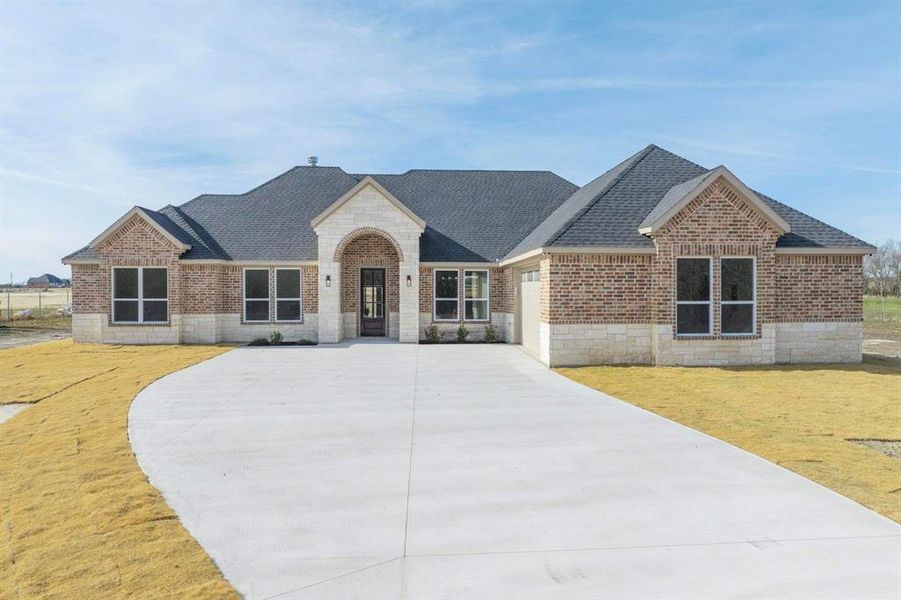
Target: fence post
x,y
40,307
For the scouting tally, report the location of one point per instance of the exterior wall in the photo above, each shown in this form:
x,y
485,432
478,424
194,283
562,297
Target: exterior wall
x,y
593,308
598,289
593,344
369,250
499,303
718,223
751,350
368,212
828,342
812,288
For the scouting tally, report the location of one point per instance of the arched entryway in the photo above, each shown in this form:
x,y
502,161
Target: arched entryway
x,y
370,284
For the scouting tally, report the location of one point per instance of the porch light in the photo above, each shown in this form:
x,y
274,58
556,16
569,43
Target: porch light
x,y
328,281
409,281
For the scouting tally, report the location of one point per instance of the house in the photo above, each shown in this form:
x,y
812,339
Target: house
x,y
658,260
45,281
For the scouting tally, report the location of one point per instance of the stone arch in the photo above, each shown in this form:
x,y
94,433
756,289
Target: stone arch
x,y
356,233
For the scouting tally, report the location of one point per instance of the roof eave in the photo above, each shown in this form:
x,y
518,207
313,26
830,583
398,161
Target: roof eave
x,y
828,250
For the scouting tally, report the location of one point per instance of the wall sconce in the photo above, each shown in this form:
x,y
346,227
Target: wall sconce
x,y
409,281
328,281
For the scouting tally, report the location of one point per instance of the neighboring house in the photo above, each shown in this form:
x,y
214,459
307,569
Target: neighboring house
x,y
657,261
45,281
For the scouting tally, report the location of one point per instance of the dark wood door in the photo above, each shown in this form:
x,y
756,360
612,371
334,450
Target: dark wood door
x,y
372,302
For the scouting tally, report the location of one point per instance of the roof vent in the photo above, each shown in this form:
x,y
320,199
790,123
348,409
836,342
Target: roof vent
x,y
313,160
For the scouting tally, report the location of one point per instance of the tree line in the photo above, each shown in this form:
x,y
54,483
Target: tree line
x,y
882,270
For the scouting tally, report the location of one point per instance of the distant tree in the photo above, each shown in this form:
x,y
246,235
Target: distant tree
x,y
882,270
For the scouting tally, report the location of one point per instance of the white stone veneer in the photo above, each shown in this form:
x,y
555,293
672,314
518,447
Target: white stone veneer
x,y
368,209
595,344
188,329
840,342
690,352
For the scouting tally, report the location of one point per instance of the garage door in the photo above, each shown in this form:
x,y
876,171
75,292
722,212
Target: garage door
x,y
530,310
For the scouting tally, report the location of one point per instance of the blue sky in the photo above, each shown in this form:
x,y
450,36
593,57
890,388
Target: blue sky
x,y
108,105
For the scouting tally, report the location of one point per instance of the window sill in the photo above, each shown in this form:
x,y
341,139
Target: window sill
x,y
723,336
137,324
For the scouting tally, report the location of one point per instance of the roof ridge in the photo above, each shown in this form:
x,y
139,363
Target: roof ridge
x,y
265,183
642,155
680,157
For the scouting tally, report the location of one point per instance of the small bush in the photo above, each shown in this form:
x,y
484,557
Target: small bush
x,y
275,338
305,342
490,334
431,334
259,342
462,333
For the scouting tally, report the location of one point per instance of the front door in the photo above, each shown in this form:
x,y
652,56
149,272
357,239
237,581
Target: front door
x,y
372,301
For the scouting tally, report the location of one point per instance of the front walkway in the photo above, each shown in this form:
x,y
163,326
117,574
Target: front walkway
x,y
377,470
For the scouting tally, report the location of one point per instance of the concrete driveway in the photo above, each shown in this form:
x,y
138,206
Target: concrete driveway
x,y
378,470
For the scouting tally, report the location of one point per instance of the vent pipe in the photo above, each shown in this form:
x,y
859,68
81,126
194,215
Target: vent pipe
x,y
313,160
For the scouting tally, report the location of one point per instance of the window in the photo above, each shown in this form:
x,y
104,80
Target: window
x,y
693,296
256,294
737,300
447,295
475,295
140,295
287,295
534,275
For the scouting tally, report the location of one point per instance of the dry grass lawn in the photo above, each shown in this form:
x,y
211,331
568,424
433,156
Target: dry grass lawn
x,y
78,518
797,416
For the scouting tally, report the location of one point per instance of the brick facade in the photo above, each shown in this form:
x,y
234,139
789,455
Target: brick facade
x,y
599,288
818,288
138,244
717,223
368,250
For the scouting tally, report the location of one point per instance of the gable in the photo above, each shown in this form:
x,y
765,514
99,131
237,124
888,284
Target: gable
x,y
137,236
679,196
139,217
719,213
367,198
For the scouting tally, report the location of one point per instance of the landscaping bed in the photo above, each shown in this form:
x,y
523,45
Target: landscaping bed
x,y
78,518
808,418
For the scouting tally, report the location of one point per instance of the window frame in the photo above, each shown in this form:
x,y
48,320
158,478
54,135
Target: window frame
x,y
752,301
299,298
435,297
486,299
709,301
244,297
140,297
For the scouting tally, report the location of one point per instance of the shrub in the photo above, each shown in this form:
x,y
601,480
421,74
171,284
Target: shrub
x,y
259,342
275,338
490,334
431,334
462,333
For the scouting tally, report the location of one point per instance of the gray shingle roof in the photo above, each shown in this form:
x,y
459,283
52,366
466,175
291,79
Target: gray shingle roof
x,y
473,216
671,198
614,216
470,215
574,206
